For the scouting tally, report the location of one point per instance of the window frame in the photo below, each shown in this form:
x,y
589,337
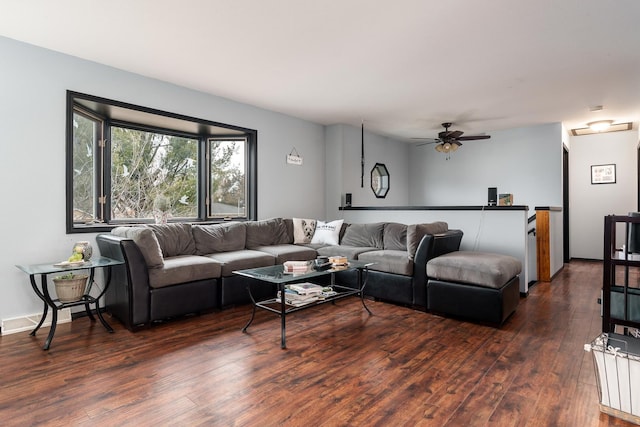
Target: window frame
x,y
116,113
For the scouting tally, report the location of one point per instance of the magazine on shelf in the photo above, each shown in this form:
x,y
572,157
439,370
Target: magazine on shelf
x,y
305,288
298,300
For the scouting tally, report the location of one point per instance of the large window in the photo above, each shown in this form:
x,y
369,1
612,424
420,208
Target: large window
x,y
129,164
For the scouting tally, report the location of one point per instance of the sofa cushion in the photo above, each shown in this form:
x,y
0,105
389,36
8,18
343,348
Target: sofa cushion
x,y
228,236
394,236
288,252
351,252
184,269
327,233
146,241
369,235
390,261
303,230
175,239
266,232
242,259
477,268
415,233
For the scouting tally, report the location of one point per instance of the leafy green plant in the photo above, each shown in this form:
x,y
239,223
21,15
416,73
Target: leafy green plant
x,y
67,276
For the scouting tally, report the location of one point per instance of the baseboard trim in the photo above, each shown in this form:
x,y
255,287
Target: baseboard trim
x,y
27,323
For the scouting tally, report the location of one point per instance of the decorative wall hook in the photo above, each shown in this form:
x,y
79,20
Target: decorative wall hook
x,y
293,158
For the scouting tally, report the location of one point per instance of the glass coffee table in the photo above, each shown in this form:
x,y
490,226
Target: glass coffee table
x,y
275,275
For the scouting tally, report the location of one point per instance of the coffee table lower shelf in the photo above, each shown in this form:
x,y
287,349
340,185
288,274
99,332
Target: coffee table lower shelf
x,y
282,309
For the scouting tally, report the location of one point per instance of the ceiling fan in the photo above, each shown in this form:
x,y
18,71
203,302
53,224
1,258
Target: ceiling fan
x,y
449,140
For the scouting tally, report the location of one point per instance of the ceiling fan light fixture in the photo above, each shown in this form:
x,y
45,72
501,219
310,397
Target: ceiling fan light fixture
x,y
600,125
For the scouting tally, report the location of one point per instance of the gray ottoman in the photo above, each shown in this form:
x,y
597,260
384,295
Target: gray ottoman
x,y
478,286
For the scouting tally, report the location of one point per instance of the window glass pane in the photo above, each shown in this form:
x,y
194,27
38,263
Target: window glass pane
x,y
153,175
227,177
86,132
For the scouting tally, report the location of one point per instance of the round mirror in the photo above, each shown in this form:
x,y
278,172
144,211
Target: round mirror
x,y
380,180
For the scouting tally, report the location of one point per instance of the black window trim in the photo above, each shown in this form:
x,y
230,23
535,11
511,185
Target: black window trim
x,y
234,131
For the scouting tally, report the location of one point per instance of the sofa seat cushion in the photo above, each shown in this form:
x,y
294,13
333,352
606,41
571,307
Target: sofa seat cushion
x,y
389,261
184,269
285,252
351,252
243,259
477,268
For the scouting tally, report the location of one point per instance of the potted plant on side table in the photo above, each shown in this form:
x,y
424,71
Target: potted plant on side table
x,y
70,287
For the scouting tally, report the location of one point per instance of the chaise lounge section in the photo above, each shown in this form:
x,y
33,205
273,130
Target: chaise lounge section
x,y
479,286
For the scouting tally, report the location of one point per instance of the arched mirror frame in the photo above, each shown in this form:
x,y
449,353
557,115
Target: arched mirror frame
x,y
380,180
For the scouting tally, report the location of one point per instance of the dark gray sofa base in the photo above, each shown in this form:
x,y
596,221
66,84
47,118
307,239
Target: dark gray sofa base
x,y
472,302
193,297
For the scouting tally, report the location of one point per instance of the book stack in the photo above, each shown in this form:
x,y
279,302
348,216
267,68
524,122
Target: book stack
x,y
338,260
297,267
300,294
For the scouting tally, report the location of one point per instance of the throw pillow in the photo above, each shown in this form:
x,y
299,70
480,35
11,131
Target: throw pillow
x,y
303,230
327,233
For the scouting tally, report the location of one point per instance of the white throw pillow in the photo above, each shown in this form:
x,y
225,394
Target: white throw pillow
x,y
303,230
327,233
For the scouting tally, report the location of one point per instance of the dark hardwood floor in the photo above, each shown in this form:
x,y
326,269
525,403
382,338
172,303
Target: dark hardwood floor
x,y
342,367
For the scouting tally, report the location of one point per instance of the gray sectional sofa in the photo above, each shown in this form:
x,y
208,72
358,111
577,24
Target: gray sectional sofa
x,y
176,269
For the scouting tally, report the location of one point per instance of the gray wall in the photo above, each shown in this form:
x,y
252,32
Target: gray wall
x,y
526,162
589,204
32,148
343,144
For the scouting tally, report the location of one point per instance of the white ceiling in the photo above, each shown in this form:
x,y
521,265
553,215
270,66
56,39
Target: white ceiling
x,y
404,66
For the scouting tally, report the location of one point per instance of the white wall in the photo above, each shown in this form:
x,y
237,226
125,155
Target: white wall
x,y
34,82
588,203
526,162
343,144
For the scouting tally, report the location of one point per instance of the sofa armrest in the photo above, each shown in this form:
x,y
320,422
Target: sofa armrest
x,y
127,297
431,246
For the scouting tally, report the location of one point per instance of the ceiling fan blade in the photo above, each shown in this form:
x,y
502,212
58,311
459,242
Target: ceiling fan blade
x,y
472,137
455,134
427,143
456,143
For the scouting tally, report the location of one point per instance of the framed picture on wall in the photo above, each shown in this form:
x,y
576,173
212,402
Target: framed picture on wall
x,y
603,174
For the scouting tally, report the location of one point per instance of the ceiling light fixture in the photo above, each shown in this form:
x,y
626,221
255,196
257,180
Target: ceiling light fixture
x,y
600,125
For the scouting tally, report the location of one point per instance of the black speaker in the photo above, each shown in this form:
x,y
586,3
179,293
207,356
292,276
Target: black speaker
x,y
493,196
347,200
